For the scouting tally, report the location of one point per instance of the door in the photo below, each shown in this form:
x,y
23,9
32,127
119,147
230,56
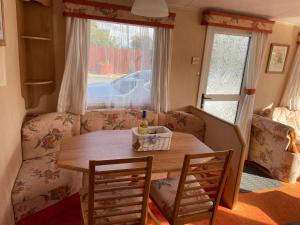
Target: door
x,y
223,70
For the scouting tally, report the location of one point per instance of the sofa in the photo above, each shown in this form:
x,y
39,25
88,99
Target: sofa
x,y
275,143
41,183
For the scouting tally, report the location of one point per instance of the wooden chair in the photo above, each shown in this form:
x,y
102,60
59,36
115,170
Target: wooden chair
x,y
195,195
118,192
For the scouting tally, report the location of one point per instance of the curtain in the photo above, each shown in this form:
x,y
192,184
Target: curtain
x,y
120,65
291,96
72,96
162,67
252,73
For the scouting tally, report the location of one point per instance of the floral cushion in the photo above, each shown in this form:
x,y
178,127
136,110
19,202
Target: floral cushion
x,y
163,193
183,122
269,145
43,134
288,117
118,119
40,183
135,217
277,130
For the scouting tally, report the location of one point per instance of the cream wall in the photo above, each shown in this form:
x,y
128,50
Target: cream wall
x,y
189,38
271,86
12,111
188,41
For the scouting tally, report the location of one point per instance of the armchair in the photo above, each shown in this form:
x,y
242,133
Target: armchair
x,y
273,146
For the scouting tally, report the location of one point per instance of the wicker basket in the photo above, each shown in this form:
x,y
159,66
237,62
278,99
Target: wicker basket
x,y
158,139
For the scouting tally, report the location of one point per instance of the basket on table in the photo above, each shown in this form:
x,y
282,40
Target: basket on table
x,y
157,138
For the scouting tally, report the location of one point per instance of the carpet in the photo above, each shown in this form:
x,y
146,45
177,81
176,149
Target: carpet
x,y
266,207
254,179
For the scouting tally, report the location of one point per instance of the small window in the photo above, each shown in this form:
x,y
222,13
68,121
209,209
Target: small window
x,y
223,71
120,65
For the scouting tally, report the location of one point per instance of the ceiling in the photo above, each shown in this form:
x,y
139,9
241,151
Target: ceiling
x,y
286,11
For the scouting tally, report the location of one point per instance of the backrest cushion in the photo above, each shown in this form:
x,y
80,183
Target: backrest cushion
x,y
43,134
288,117
183,122
114,119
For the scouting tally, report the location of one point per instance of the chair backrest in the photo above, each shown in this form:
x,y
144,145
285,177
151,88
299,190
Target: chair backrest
x,y
122,187
200,186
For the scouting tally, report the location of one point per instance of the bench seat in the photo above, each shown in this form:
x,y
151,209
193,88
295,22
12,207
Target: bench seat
x,y
40,183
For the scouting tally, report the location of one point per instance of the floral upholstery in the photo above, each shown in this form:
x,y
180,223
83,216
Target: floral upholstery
x,y
126,119
114,119
288,117
43,134
163,193
41,183
103,220
271,147
183,122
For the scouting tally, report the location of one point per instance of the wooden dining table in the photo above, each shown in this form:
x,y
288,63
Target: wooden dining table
x,y
77,151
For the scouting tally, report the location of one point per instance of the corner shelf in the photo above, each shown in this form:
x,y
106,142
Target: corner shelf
x,y
46,3
36,51
36,38
36,83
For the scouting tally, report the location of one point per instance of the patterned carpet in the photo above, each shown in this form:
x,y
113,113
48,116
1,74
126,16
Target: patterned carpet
x,y
254,179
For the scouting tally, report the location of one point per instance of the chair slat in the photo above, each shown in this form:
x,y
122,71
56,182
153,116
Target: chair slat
x,y
202,187
135,171
106,181
118,213
203,179
118,197
118,205
193,172
122,188
197,202
208,163
124,221
200,194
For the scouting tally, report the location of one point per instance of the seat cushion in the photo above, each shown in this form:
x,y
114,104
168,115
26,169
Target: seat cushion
x,y
40,183
43,134
114,119
163,193
183,122
134,218
288,117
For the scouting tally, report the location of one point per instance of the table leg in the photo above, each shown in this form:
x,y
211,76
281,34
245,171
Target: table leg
x,y
85,181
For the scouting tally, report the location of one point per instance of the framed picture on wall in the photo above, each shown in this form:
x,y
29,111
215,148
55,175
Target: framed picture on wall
x,y
277,58
2,35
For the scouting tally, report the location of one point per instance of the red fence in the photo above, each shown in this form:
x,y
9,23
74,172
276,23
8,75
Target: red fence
x,y
118,61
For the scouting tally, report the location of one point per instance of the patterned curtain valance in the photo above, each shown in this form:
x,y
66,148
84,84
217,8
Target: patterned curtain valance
x,y
234,21
113,13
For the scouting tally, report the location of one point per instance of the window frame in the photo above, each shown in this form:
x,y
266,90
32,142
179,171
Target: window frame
x,y
203,81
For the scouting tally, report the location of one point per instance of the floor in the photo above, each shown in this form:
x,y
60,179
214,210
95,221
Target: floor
x,y
277,206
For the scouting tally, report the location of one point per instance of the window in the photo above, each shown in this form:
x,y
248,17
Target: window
x,y
120,65
223,70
